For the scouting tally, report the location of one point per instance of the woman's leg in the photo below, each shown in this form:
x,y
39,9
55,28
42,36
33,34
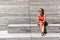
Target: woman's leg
x,y
41,27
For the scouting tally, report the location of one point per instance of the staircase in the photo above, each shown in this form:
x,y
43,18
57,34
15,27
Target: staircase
x,y
18,19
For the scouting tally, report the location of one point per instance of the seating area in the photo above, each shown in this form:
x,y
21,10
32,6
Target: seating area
x,y
18,19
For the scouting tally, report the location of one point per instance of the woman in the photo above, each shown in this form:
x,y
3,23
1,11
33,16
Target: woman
x,y
41,20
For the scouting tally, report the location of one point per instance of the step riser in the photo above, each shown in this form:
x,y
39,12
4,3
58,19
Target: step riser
x,y
32,29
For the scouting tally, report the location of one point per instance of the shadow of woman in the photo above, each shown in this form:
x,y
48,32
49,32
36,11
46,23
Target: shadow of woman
x,y
45,25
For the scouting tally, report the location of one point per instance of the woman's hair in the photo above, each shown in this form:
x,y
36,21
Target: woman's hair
x,y
42,11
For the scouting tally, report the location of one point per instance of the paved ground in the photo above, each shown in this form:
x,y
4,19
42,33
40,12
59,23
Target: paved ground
x,y
29,36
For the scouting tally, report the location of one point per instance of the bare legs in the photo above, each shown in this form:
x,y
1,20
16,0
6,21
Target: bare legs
x,y
41,26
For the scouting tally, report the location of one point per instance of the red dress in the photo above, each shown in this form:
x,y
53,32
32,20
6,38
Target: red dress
x,y
41,19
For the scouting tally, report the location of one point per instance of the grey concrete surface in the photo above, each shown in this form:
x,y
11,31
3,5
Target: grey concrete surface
x,y
15,39
33,29
25,12
42,38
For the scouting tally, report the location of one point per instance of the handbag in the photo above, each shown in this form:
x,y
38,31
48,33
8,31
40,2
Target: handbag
x,y
45,23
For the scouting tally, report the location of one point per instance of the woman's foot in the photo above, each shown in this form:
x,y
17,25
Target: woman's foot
x,y
43,34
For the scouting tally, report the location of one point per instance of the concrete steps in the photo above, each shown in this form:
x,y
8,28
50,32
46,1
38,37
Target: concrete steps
x,y
30,36
32,28
14,14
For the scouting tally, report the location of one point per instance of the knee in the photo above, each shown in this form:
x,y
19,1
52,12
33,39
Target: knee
x,y
40,24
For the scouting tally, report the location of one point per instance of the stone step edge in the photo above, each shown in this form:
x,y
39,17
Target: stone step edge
x,y
10,25
29,35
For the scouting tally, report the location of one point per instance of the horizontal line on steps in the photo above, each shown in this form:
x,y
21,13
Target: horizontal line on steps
x,y
29,35
31,25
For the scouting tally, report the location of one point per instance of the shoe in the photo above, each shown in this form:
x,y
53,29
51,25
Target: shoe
x,y
42,33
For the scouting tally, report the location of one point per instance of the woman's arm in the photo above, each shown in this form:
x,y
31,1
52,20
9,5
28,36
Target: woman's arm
x,y
37,17
44,18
